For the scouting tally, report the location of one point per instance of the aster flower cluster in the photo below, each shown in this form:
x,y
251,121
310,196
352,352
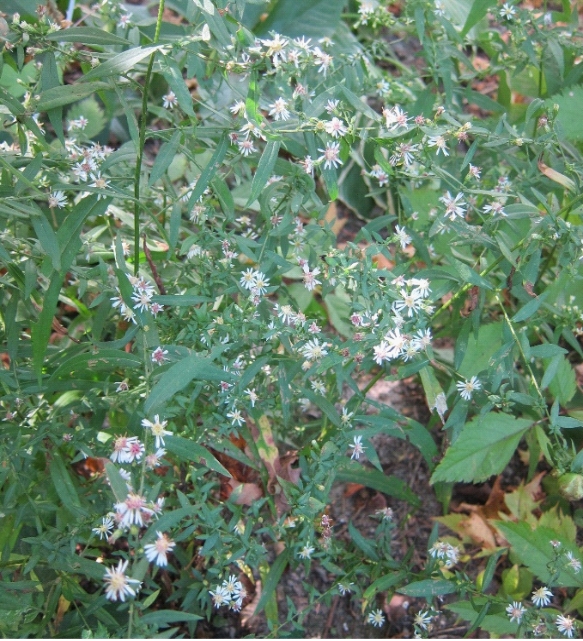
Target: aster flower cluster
x,y
539,621
141,298
445,552
230,593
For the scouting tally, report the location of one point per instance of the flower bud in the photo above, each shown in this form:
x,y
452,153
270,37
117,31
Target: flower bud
x,y
571,486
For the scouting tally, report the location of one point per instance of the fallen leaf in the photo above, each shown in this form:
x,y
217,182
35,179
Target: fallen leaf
x,y
476,527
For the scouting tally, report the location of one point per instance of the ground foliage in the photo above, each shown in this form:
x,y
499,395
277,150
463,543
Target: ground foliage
x,y
184,338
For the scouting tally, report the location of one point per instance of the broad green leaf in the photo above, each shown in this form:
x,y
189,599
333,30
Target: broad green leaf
x,y
92,112
480,350
191,368
193,452
477,12
66,94
569,116
497,624
483,449
64,486
528,310
120,63
350,472
310,18
86,36
264,169
533,548
564,384
428,588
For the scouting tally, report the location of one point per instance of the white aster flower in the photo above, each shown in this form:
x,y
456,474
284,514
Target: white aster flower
x,y
157,552
157,429
565,625
542,597
117,584
376,618
357,447
515,611
465,388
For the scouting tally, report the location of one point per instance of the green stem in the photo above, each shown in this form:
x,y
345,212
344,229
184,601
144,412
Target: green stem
x,y
142,143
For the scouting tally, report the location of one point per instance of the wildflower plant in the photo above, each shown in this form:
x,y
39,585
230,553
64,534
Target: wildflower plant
x,y
185,337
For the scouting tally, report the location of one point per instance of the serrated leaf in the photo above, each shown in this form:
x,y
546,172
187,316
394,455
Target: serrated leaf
x,y
483,448
497,624
92,112
533,548
564,383
264,170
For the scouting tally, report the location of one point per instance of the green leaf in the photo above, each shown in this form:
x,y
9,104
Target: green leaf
x,y
48,239
383,584
272,580
483,449
118,486
428,588
168,521
264,169
350,472
103,359
64,486
66,94
86,36
89,109
362,543
164,158
120,63
564,384
480,349
162,617
194,453
310,18
191,368
477,12
496,624
208,172
533,548
529,309
174,78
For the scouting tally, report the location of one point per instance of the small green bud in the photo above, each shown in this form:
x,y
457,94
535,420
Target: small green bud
x,y
571,486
